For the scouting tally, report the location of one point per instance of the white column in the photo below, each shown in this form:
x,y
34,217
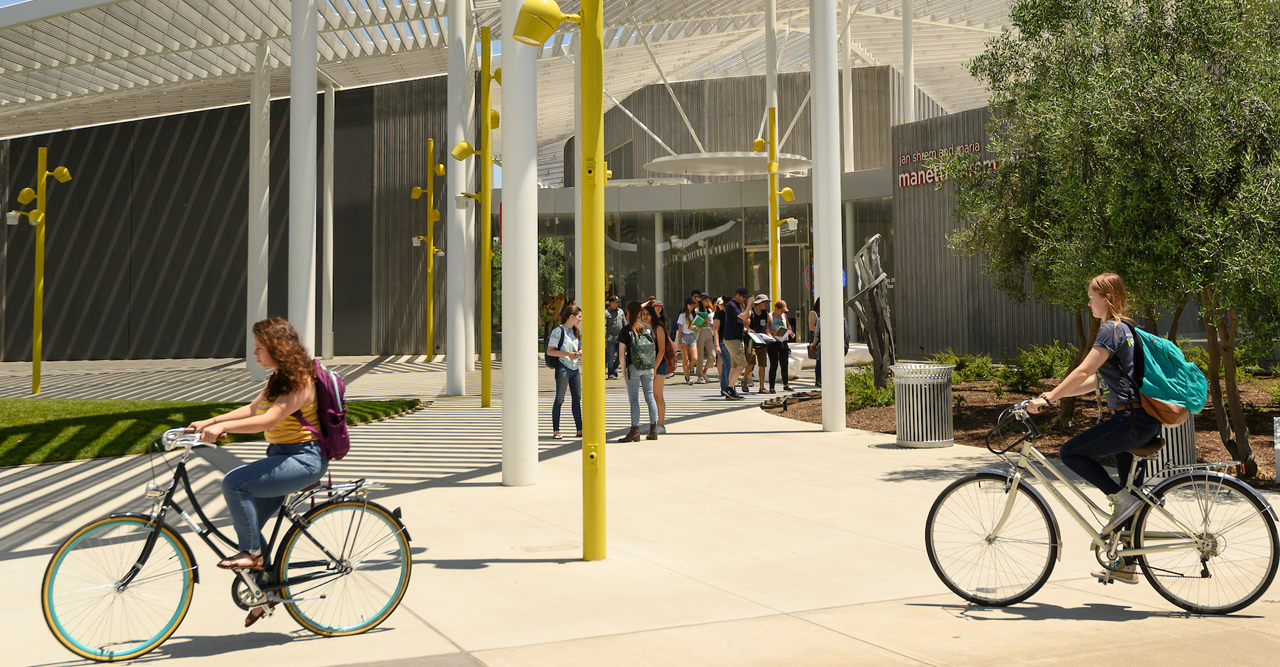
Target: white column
x,y
459,15
851,246
825,112
659,277
577,176
259,198
908,65
519,257
302,172
326,278
846,95
770,55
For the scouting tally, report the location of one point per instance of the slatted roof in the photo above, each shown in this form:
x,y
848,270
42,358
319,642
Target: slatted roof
x,y
74,63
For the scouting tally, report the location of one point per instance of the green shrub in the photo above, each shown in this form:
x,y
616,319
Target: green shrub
x,y
968,367
1040,362
860,391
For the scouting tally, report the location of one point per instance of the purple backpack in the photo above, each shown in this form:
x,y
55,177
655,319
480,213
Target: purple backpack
x,y
331,411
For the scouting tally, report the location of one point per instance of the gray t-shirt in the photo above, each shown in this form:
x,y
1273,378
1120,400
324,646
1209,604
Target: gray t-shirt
x,y
1118,340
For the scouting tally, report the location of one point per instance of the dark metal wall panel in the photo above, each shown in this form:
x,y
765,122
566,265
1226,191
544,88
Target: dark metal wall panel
x,y
405,116
87,246
353,211
944,301
187,284
4,241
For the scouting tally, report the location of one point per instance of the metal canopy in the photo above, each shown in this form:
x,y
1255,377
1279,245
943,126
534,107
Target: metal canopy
x,y
733,163
75,63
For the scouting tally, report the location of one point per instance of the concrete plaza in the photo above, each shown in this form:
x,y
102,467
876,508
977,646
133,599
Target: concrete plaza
x,y
739,538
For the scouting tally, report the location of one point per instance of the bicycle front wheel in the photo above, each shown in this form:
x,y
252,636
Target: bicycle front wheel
x,y
347,571
1236,559
986,568
96,609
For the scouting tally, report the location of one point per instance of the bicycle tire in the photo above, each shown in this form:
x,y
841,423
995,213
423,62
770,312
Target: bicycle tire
x,y
1242,560
352,531
87,612
996,573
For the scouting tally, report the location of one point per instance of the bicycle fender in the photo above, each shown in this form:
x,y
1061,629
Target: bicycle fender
x,y
191,556
1057,530
1211,473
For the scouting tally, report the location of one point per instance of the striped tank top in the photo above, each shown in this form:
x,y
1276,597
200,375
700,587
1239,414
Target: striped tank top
x,y
290,431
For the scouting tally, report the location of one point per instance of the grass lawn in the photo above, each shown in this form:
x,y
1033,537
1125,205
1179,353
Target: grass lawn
x,y
43,430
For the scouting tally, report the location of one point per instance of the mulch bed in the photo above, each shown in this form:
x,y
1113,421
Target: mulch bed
x,y
982,404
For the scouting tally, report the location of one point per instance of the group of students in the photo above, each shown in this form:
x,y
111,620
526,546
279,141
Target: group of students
x,y
735,334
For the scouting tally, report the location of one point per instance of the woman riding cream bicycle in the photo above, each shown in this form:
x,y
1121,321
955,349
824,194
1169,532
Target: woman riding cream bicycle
x,y
1128,428
255,492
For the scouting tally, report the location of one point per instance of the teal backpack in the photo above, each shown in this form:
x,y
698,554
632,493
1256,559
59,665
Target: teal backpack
x,y
1164,375
644,351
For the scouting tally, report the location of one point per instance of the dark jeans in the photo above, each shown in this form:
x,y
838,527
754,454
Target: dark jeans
x,y
817,369
572,379
725,364
1125,431
611,355
779,355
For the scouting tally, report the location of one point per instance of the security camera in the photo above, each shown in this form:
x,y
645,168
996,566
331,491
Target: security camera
x,y
439,253
791,225
12,217
417,241
460,202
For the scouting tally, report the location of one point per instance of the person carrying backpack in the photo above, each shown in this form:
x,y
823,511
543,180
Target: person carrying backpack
x,y
564,347
641,349
287,410
1129,427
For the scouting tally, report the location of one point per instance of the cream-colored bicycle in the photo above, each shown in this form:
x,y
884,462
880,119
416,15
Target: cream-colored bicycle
x,y
1205,540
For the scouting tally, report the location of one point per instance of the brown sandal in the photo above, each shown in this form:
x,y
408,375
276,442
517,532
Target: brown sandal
x,y
242,561
257,613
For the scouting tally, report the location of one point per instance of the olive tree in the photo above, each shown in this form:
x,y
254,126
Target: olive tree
x,y
1141,137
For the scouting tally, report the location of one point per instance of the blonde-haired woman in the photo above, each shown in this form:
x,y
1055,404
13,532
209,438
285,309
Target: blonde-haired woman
x,y
1128,428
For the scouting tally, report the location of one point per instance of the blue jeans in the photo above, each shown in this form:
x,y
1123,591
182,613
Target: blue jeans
x,y
1116,437
255,491
637,380
611,356
725,364
571,380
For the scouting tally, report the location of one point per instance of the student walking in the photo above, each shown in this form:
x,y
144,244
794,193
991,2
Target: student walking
x,y
734,334
688,340
615,320
708,346
665,367
565,343
782,328
640,349
758,354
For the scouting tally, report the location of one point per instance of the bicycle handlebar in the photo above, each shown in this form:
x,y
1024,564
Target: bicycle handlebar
x,y
178,437
1017,412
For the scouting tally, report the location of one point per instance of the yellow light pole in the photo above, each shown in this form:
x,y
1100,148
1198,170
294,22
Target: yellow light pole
x,y
36,217
775,270
538,20
464,150
433,169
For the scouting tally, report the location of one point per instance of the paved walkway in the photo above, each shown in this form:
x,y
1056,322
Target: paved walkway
x,y
739,538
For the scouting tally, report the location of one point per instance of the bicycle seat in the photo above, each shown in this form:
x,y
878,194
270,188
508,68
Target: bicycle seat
x,y
1150,448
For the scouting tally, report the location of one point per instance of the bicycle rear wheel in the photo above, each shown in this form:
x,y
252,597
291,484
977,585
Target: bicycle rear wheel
x,y
89,607
1238,559
989,570
347,571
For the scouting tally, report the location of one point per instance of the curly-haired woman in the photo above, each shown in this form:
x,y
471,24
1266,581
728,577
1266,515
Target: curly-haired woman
x,y
255,491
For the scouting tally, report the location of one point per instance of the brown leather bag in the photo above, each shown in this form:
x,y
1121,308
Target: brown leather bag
x,y
1169,414
813,349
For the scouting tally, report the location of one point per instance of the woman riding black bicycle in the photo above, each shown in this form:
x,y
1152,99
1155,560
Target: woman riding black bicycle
x,y
255,492
1128,428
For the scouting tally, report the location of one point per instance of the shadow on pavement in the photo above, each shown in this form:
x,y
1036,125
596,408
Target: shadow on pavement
x,y
945,473
1037,611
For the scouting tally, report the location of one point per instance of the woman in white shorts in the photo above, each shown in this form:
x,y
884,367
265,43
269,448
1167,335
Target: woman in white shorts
x,y
688,340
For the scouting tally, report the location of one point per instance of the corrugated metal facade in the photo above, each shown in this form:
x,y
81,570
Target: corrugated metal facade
x,y
942,300
406,115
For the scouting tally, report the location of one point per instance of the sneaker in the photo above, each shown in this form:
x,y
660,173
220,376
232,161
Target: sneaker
x,y
1125,505
734,395
702,380
1125,574
662,430
725,393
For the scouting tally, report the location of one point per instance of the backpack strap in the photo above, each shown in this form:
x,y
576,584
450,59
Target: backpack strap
x,y
297,414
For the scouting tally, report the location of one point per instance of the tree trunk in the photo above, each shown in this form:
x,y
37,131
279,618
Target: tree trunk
x,y
1067,413
1177,315
1222,351
1239,429
1153,320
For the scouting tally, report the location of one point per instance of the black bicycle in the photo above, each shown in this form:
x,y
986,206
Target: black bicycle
x,y
120,586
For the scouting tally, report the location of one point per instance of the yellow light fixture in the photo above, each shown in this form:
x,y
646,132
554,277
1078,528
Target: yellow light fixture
x,y
462,151
440,169
538,21
759,145
497,75
416,193
62,174
787,194
26,196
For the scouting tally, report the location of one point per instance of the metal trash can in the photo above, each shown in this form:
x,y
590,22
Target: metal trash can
x,y
1179,449
922,399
